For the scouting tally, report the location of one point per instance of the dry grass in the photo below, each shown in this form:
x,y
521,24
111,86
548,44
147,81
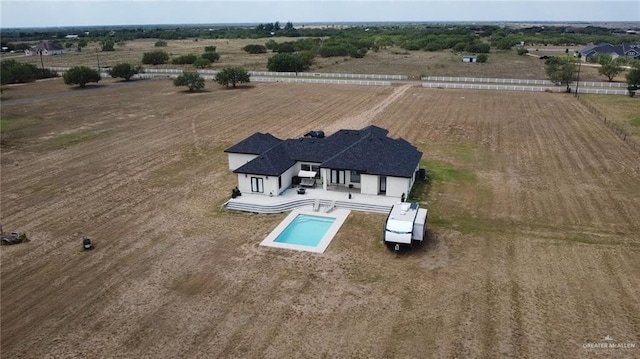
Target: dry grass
x,y
502,64
533,229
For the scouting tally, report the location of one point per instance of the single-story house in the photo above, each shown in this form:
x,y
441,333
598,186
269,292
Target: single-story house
x,y
44,48
470,58
365,160
631,50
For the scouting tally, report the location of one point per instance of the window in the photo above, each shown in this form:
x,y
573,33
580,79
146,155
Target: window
x,y
257,185
355,177
316,169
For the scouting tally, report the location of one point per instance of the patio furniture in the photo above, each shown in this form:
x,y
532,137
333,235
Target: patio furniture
x,y
308,182
301,191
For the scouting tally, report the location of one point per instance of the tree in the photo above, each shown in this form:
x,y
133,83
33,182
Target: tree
x,y
190,79
184,59
160,43
211,56
271,44
81,76
255,49
125,71
232,76
108,45
17,72
201,63
633,78
286,62
609,67
562,70
155,57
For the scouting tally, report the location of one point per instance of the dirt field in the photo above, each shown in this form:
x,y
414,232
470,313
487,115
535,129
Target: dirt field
x,y
395,61
533,249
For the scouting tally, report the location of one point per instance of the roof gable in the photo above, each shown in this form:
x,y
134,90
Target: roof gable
x,y
255,144
273,162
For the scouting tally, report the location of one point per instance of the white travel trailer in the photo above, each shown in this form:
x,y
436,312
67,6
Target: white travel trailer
x,y
405,223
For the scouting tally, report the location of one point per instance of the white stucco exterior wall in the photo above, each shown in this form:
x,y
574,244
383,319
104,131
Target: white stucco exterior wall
x,y
270,183
396,186
238,159
369,184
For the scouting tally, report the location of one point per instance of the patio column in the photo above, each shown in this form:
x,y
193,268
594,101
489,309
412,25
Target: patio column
x,y
325,178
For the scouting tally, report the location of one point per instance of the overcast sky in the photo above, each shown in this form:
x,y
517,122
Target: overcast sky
x,y
43,13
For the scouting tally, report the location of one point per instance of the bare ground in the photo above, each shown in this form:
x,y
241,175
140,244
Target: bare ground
x,y
533,254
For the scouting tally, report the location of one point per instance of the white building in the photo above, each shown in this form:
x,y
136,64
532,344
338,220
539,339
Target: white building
x,y
366,160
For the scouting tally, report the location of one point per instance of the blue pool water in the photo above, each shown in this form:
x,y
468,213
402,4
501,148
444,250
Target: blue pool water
x,y
305,230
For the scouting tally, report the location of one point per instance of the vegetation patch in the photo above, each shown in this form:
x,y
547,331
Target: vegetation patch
x,y
441,172
635,122
445,172
70,139
11,123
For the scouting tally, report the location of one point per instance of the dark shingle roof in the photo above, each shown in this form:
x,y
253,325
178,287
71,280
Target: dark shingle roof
x,y
273,162
368,150
255,144
377,154
47,46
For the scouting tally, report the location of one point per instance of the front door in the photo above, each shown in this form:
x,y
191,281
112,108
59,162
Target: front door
x,y
383,184
257,185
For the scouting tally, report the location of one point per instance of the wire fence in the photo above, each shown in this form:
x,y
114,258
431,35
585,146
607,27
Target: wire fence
x,y
616,128
519,81
485,86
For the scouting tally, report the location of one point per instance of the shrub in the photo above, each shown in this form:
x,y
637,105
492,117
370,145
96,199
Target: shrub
x,y
286,62
184,59
255,49
160,43
155,57
17,72
190,79
201,63
81,76
124,70
211,56
209,49
522,51
232,76
482,58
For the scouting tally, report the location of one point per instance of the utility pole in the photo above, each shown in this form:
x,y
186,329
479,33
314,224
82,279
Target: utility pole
x,y
578,78
98,57
42,64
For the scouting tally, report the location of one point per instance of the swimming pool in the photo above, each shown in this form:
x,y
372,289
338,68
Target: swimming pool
x,y
305,230
308,231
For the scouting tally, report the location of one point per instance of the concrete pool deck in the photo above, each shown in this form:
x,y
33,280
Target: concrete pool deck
x,y
290,199
340,215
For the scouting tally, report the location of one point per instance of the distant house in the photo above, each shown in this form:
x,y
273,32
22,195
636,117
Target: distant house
x,y
470,58
71,36
366,160
44,48
631,50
